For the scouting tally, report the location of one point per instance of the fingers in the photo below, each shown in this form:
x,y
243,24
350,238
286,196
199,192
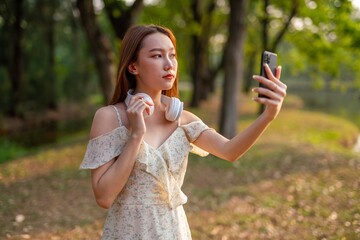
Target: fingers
x,y
271,96
138,105
271,76
273,84
272,92
270,73
278,72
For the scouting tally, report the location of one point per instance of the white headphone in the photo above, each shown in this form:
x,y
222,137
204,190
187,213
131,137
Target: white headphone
x,y
174,106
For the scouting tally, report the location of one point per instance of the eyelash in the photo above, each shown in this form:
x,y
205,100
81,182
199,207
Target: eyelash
x,y
159,55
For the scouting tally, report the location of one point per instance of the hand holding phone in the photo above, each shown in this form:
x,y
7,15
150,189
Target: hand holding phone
x,y
270,59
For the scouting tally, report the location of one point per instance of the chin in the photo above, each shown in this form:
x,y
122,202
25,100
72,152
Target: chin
x,y
168,86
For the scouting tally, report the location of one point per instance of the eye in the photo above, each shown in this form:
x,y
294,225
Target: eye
x,y
172,55
156,56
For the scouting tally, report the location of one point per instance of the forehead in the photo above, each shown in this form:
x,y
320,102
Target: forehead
x,y
157,41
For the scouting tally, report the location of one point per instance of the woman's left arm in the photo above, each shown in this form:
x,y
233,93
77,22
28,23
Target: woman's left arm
x,y
233,149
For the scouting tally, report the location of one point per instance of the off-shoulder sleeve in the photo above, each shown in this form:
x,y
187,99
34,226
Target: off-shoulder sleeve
x,y
105,147
193,131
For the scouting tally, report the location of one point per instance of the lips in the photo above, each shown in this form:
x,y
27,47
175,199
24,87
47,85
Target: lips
x,y
168,76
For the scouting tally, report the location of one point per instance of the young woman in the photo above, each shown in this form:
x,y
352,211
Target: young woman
x,y
139,144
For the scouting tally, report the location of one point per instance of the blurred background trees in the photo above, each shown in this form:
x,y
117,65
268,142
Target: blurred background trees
x,y
61,53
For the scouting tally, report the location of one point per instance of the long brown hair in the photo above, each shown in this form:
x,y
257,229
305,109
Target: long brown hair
x,y
130,47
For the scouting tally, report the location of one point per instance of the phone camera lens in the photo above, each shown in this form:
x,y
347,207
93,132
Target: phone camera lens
x,y
267,59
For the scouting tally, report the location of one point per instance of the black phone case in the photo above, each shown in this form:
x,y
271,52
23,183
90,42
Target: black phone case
x,y
271,59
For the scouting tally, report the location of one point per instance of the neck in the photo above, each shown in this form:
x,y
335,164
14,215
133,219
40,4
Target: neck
x,y
155,96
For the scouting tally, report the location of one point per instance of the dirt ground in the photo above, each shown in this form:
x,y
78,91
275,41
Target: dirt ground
x,y
283,188
46,197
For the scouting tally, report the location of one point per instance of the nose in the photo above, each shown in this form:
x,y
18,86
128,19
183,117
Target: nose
x,y
168,65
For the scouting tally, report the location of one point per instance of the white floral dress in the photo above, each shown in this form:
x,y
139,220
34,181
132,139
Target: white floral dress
x,y
150,204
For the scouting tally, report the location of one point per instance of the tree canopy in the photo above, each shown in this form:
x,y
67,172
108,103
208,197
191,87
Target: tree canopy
x,y
56,52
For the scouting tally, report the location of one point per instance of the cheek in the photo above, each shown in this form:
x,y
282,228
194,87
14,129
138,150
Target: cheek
x,y
147,66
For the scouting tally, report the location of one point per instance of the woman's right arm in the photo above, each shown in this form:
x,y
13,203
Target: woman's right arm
x,y
109,179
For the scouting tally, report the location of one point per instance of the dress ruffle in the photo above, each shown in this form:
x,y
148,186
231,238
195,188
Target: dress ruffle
x,y
103,148
193,131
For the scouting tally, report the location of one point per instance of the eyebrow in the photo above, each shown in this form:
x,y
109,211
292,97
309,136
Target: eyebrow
x,y
160,49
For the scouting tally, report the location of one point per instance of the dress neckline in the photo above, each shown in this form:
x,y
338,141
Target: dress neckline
x,y
166,140
150,145
128,132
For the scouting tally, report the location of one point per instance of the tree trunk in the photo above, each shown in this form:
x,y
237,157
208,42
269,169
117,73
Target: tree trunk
x,y
100,46
197,66
249,72
233,66
265,38
15,65
201,73
280,35
196,72
265,25
50,37
127,17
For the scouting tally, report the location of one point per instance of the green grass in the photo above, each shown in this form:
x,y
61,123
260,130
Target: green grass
x,y
10,150
320,129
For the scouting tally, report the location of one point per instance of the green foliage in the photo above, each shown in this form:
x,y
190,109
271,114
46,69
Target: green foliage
x,y
56,64
324,34
177,15
321,44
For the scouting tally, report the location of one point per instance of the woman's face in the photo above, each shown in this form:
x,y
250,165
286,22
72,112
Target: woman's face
x,y
156,65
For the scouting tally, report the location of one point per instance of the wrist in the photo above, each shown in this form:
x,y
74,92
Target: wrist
x,y
267,118
136,136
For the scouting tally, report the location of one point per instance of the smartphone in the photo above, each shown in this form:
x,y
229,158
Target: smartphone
x,y
269,58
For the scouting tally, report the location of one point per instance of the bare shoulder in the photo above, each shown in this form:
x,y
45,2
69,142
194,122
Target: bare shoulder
x,y
188,117
105,120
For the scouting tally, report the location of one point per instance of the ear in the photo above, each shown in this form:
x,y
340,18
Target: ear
x,y
132,69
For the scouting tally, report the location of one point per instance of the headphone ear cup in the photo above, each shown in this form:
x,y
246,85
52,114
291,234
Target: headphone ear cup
x,y
169,114
128,97
174,109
